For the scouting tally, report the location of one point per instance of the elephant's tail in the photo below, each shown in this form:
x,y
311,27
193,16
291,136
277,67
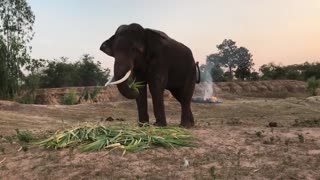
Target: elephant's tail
x,y
198,73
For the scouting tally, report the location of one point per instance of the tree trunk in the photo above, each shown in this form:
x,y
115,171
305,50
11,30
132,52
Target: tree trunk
x,y
230,73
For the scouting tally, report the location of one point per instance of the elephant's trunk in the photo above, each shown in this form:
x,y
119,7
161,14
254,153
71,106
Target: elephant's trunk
x,y
121,75
126,91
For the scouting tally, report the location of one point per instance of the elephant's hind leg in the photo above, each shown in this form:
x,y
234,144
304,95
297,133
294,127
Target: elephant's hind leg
x,y
185,100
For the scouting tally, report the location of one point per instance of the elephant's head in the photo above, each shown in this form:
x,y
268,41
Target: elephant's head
x,y
128,46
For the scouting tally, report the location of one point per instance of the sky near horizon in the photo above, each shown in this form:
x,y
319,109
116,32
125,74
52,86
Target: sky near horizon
x,y
280,31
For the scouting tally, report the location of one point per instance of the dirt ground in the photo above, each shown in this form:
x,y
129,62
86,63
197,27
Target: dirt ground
x,y
233,142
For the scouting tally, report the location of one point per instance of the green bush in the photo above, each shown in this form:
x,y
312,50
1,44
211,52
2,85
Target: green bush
x,y
88,94
62,73
24,136
294,72
2,149
27,98
69,98
95,92
313,84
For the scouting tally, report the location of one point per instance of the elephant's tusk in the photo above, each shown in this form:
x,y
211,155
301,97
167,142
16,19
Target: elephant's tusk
x,y
107,83
122,79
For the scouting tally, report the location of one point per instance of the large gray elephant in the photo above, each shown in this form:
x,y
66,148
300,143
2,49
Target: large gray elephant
x,y
152,57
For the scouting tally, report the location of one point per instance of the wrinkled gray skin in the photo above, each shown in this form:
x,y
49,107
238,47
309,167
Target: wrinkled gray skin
x,y
160,62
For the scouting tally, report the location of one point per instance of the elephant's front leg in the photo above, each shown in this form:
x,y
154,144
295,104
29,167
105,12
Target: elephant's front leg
x,y
158,105
142,104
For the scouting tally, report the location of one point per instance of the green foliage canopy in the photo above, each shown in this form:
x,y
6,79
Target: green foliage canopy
x,y
62,73
16,21
294,72
221,65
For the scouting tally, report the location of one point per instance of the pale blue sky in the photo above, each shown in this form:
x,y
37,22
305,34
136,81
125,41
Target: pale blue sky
x,y
282,31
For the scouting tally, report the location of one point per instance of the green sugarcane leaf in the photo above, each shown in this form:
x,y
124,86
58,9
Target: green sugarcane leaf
x,y
97,137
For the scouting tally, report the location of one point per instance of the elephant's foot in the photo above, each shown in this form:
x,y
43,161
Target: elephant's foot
x,y
187,124
160,123
187,120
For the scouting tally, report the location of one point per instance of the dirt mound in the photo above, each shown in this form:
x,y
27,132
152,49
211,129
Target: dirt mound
x,y
313,98
106,94
276,89
54,95
8,105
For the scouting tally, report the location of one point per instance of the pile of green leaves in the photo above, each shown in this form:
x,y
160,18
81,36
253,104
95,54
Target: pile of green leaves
x,y
98,137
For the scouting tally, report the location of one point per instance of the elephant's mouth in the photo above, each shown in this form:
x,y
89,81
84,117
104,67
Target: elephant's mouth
x,y
127,85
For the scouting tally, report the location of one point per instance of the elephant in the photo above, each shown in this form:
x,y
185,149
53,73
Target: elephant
x,y
160,62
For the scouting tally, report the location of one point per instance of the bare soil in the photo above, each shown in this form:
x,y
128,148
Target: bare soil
x,y
234,141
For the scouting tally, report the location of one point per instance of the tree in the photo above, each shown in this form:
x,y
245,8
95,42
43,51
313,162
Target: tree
x,y
244,63
227,52
61,73
310,70
4,75
16,21
295,72
230,57
32,81
254,76
272,71
215,59
90,73
313,84
212,69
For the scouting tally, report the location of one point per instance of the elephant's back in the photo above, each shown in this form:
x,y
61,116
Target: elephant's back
x,y
181,66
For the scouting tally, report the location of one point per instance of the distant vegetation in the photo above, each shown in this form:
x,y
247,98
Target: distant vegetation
x,y
20,74
232,62
295,72
16,22
313,84
62,73
70,98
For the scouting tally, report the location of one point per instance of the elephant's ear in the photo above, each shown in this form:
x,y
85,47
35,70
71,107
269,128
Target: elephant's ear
x,y
106,46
